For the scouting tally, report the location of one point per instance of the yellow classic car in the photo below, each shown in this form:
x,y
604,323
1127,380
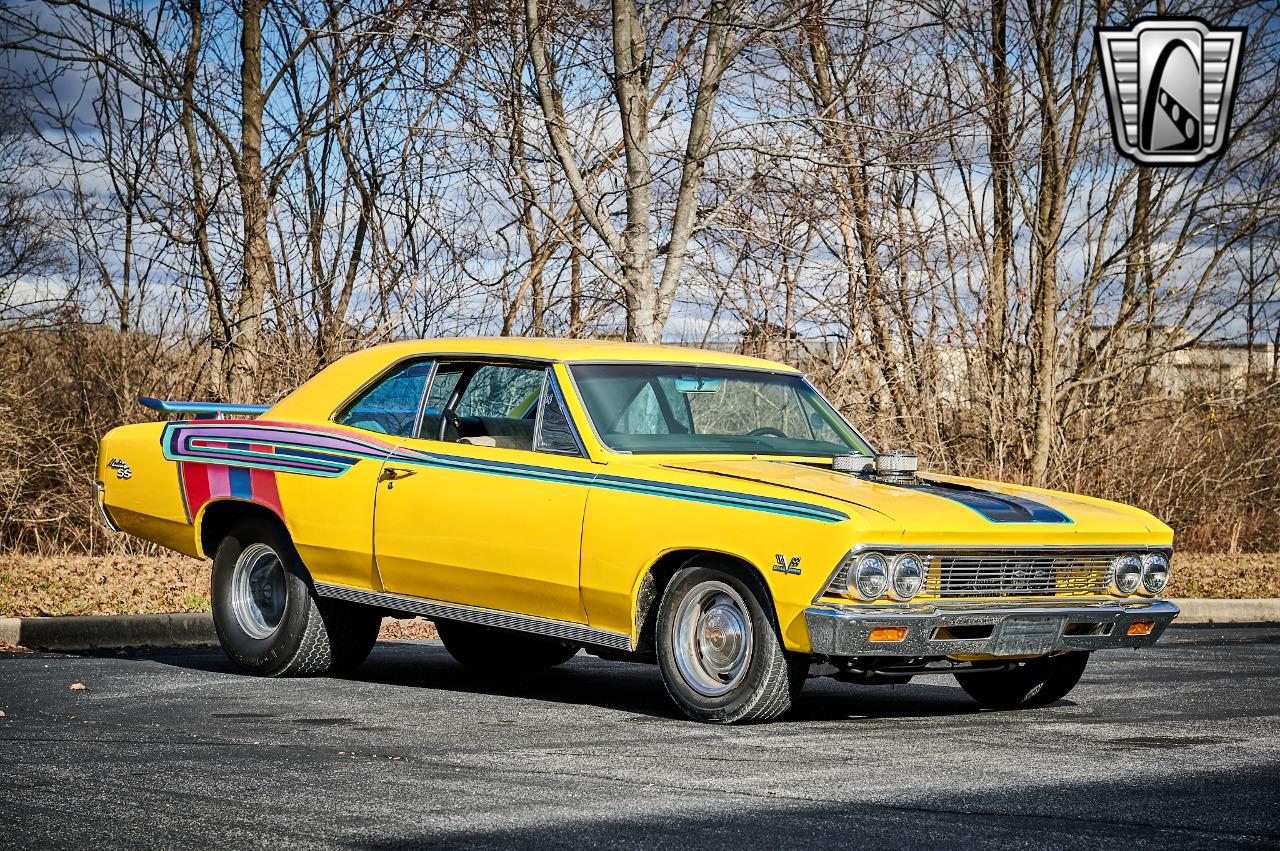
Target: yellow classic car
x,y
709,512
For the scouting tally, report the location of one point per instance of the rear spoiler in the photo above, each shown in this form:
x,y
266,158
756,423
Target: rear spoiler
x,y
202,410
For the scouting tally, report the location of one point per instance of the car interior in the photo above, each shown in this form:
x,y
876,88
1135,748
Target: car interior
x,y
483,404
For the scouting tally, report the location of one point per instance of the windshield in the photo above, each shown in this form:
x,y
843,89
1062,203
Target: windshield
x,y
656,408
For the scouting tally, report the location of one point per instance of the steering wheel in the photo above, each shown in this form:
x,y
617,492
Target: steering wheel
x,y
765,431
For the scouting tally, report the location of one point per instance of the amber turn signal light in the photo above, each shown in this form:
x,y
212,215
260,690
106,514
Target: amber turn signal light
x,y
888,633
1141,627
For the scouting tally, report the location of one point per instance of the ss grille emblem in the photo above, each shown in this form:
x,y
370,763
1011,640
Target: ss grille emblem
x,y
1170,86
781,564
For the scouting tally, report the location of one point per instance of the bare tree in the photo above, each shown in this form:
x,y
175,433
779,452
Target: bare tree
x,y
723,30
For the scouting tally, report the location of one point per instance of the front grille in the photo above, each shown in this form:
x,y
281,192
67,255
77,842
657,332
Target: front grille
x,y
1015,574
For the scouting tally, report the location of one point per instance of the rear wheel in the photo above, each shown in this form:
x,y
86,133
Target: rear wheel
x,y
268,618
501,649
720,654
1036,682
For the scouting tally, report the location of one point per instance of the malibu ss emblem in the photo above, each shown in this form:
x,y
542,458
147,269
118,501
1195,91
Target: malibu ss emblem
x,y
121,468
783,566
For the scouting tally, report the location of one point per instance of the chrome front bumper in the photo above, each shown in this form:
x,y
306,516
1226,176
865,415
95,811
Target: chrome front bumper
x,y
993,630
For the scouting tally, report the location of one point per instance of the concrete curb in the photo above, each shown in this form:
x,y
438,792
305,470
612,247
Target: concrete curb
x,y
1200,610
108,632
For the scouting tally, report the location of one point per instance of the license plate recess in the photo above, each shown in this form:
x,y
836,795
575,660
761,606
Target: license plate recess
x,y
1028,636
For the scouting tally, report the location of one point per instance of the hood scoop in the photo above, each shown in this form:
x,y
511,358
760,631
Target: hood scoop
x,y
895,467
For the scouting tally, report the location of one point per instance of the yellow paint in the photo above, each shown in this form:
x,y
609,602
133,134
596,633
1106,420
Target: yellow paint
x,y
329,521
148,503
575,552
484,540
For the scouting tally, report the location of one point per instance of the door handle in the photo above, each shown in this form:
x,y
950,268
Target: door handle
x,y
392,474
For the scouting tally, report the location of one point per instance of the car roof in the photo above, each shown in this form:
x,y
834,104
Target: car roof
x,y
575,351
325,392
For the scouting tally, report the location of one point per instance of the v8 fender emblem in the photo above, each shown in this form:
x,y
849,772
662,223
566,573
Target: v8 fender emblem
x,y
783,566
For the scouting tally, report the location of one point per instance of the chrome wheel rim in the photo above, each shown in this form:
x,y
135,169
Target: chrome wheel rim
x,y
712,638
259,592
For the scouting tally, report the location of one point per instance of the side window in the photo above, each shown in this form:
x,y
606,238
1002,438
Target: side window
x,y
442,387
498,406
500,391
391,405
555,432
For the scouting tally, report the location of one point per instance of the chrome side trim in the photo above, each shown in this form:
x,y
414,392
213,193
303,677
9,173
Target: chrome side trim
x,y
100,497
577,633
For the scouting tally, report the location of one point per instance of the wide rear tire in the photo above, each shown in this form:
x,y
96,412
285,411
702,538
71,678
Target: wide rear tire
x,y
268,617
1037,682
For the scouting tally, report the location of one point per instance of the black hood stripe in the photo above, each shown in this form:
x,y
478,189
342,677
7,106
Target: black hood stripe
x,y
995,507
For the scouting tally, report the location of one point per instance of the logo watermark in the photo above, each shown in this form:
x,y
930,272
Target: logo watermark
x,y
1170,86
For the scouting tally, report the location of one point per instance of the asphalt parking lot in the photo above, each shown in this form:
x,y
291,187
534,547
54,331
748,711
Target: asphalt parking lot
x,y
1174,747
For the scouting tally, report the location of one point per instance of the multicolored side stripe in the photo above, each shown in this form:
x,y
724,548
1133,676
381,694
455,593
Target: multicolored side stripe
x,y
202,483
271,448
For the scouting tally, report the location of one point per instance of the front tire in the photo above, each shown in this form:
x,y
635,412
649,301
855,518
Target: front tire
x,y
1037,682
720,654
269,619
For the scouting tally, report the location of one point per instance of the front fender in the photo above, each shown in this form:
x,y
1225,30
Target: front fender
x,y
625,534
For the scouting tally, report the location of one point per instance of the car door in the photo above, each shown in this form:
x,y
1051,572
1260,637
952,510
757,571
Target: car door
x,y
484,506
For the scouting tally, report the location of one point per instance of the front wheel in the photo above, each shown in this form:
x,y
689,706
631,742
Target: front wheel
x,y
1036,682
268,618
721,657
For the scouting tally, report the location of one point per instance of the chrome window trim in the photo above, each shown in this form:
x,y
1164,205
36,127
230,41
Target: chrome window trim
x,y
577,392
482,356
894,549
573,380
484,360
422,401
564,630
435,358
379,376
549,382
842,417
784,370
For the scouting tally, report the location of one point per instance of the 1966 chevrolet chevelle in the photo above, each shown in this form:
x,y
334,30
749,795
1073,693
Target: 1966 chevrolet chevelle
x,y
708,511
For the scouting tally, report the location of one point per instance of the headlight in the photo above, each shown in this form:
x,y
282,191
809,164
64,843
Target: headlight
x,y
1155,572
906,577
1126,574
870,576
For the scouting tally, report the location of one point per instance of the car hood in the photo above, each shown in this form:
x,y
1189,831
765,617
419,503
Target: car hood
x,y
955,509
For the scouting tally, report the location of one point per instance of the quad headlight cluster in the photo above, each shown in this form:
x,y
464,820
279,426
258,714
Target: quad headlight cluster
x,y
1132,573
872,575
